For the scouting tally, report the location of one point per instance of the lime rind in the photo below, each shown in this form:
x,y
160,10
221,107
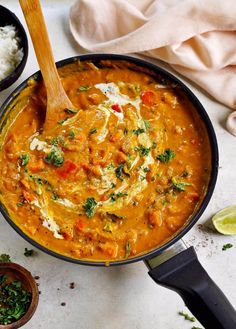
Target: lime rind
x,y
224,221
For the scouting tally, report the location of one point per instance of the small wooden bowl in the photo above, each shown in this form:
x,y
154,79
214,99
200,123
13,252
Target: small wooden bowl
x,y
19,273
9,18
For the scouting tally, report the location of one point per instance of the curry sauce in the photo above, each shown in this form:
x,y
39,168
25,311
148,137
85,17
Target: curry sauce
x,y
122,172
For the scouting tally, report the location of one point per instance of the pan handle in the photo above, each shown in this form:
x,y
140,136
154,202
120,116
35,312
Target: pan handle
x,y
185,275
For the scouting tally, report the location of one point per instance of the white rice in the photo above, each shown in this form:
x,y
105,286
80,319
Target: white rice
x,y
10,54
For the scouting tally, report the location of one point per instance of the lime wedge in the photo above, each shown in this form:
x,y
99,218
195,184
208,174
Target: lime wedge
x,y
225,220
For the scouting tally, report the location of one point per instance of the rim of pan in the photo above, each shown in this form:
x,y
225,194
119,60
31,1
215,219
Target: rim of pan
x,y
214,160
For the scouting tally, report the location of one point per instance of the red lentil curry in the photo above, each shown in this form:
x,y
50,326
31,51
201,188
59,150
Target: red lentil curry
x,y
120,175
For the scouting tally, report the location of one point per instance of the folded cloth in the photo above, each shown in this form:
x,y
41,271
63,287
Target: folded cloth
x,y
196,37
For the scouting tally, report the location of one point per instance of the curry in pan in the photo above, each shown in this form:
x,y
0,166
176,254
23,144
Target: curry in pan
x,y
121,173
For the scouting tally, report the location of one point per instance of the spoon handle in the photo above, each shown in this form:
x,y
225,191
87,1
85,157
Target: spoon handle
x,y
57,99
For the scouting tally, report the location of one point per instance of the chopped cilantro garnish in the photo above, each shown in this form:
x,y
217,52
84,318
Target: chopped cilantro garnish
x,y
120,194
71,134
60,122
54,159
28,252
84,88
114,196
154,145
227,246
20,204
4,258
147,124
184,174
138,131
146,169
15,300
113,185
143,151
120,172
142,178
89,207
187,316
127,248
110,166
179,185
125,131
55,196
38,180
166,156
93,131
24,159
58,140
71,111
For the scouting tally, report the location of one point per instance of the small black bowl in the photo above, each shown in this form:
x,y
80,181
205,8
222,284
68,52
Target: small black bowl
x,y
9,18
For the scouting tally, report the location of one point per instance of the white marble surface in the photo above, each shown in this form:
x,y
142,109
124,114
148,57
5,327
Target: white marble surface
x,y
122,297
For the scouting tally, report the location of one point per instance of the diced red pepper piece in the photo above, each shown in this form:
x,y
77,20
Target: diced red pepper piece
x,y
79,225
67,236
147,97
27,196
116,108
68,167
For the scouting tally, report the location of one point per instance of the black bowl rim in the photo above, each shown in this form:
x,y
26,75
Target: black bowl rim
x,y
214,161
15,74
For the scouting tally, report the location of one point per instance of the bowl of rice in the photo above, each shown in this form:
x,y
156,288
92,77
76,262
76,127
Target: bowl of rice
x,y
13,48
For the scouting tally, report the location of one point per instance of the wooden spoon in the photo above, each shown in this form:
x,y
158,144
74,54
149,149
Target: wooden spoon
x,y
57,100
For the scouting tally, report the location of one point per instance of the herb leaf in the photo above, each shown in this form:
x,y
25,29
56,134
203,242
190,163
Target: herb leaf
x,y
24,159
4,258
71,111
119,171
93,131
127,248
71,134
60,122
227,246
187,316
28,252
89,207
114,196
166,156
54,159
138,131
147,124
178,185
84,88
143,151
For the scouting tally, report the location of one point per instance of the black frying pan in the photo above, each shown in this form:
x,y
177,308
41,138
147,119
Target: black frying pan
x,y
170,264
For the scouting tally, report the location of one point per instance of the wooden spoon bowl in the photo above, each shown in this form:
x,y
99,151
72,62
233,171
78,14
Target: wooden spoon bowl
x,y
19,273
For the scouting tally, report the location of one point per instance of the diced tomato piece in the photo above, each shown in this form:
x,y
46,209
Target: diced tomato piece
x,y
193,141
116,108
147,97
104,197
68,167
117,136
79,225
28,197
67,236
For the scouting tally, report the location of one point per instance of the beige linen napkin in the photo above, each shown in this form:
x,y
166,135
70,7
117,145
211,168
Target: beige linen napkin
x,y
196,37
